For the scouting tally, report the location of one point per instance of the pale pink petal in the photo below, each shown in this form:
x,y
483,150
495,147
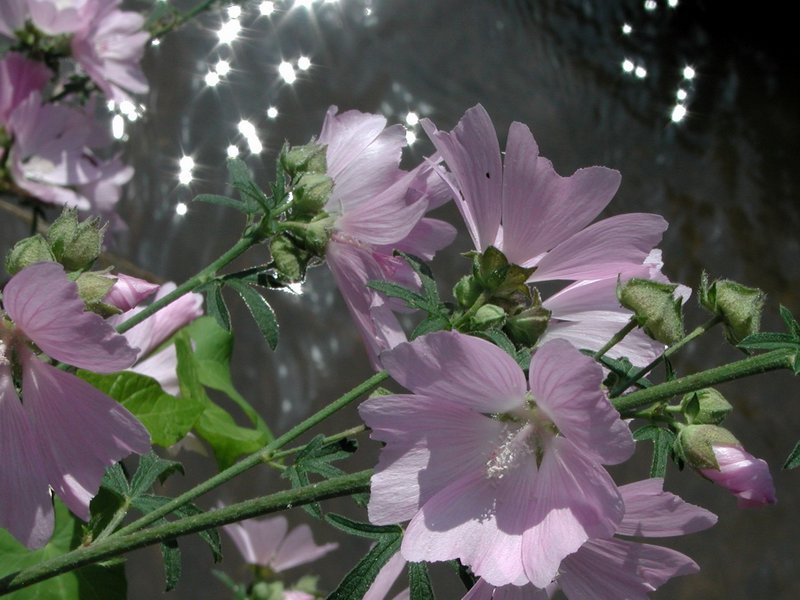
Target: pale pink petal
x,y
385,219
18,78
129,291
352,267
463,521
483,590
347,135
297,595
744,475
426,238
45,305
540,208
574,500
614,569
12,16
163,367
472,154
430,442
567,386
26,510
379,590
459,367
298,548
81,430
258,539
652,512
602,250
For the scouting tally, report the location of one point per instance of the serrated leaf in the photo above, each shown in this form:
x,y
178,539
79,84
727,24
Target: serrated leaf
x,y
423,271
216,307
769,341
356,583
223,201
432,323
394,290
663,440
95,582
366,530
260,309
252,195
213,348
172,564
152,468
419,582
167,418
114,479
793,460
792,326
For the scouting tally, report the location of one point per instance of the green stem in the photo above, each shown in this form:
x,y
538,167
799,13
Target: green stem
x,y
263,455
201,278
118,517
331,438
345,485
616,339
769,361
628,381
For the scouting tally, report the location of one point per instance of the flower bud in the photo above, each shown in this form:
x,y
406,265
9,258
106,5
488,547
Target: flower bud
x,y
738,306
499,277
528,326
310,193
310,158
92,289
745,476
466,291
696,442
658,312
75,244
289,260
27,252
706,407
488,316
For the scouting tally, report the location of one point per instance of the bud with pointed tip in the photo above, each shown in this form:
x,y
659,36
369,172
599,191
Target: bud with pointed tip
x,y
310,158
27,252
706,407
310,193
738,306
658,312
76,244
528,326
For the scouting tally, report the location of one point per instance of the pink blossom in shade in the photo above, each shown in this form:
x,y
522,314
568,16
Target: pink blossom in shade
x,y
534,216
609,569
62,433
744,475
128,291
504,476
269,543
377,207
12,16
379,590
587,314
56,17
153,331
109,46
19,77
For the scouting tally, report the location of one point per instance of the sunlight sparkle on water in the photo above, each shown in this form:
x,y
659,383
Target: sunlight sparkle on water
x,y
286,70
304,3
627,66
681,94
266,8
223,67
672,3
304,63
412,118
650,4
272,112
232,151
688,72
235,11
229,31
181,208
678,113
640,72
117,127
185,177
626,29
411,137
212,79
186,163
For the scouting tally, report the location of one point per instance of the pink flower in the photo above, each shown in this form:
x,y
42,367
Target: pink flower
x,y
379,590
264,542
745,476
19,78
12,16
377,207
128,291
505,476
153,331
109,46
55,17
63,433
534,216
610,569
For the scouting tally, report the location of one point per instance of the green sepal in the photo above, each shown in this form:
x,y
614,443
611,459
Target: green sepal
x,y
658,312
76,244
737,305
27,252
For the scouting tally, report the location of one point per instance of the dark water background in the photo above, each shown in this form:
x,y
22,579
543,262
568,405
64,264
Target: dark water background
x,y
726,178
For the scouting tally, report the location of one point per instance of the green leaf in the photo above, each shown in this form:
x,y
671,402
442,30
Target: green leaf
x,y
217,309
793,460
172,564
215,425
663,440
167,418
432,323
213,348
316,458
394,290
224,201
420,582
356,583
114,479
366,530
792,326
769,341
95,582
252,195
152,468
262,312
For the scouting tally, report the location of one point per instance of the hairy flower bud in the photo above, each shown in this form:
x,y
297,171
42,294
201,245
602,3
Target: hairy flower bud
x,y
738,306
289,260
466,291
309,158
310,193
92,289
488,316
75,244
706,407
696,444
528,326
27,252
658,312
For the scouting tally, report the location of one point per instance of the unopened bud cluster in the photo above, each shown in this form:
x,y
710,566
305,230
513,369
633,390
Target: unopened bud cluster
x,y
737,305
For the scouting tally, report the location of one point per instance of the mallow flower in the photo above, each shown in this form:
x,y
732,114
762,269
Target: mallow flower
x,y
61,433
268,543
610,569
742,474
375,208
504,475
